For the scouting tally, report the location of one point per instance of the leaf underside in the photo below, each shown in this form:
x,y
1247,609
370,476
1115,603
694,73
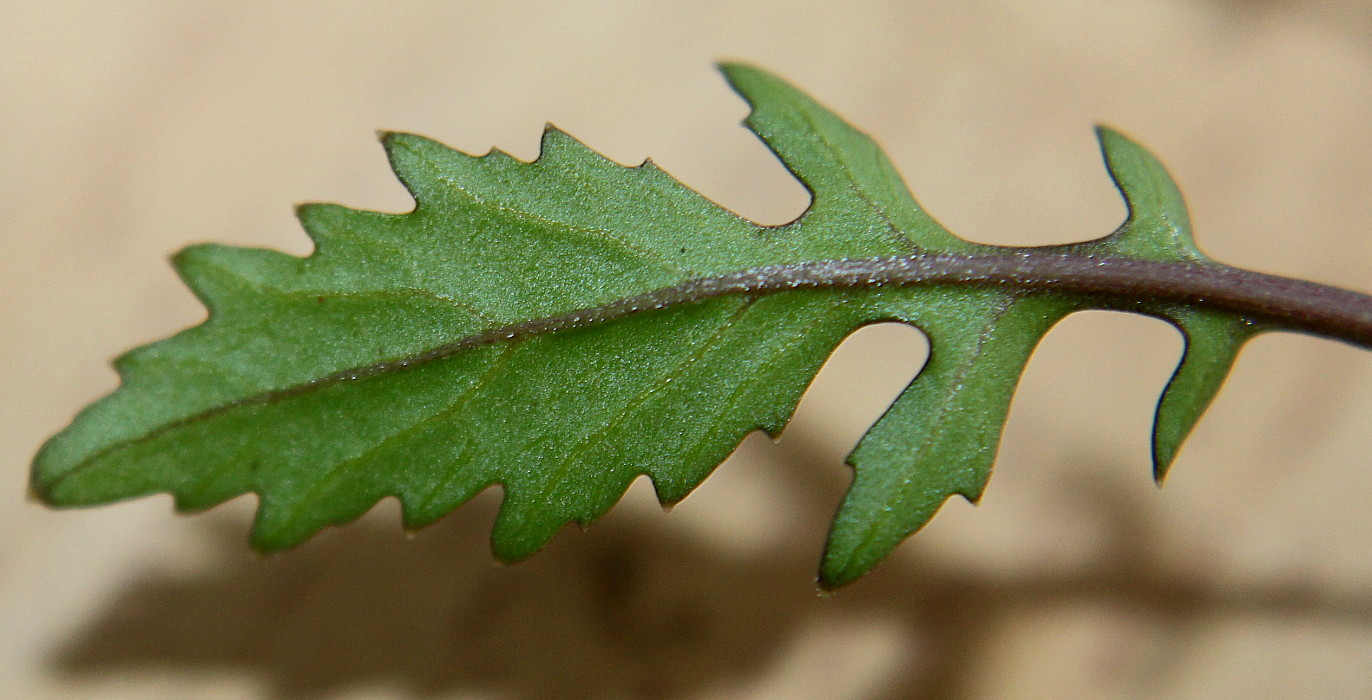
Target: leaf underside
x,y
258,397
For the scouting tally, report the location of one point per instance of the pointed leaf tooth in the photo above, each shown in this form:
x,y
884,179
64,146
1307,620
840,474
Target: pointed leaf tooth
x,y
671,493
499,156
317,218
329,225
281,525
1212,343
520,531
221,275
1158,226
418,161
559,148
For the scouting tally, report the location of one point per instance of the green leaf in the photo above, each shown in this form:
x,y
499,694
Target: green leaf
x,y
484,339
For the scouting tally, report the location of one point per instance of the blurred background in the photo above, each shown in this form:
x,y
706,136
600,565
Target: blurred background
x,y
132,129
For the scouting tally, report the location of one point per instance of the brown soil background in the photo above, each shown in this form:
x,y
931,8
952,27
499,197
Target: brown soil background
x,y
132,129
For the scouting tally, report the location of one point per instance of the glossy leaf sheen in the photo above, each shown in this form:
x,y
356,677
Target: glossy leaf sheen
x,y
252,400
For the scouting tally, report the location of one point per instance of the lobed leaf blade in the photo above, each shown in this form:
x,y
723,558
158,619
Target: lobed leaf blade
x,y
326,383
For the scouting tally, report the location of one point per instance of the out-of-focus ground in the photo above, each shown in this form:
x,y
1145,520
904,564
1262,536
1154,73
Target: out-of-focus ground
x,y
128,130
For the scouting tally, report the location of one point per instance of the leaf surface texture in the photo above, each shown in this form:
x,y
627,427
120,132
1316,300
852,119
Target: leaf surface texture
x,y
328,382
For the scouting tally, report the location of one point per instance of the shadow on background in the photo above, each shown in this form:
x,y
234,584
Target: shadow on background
x,y
633,607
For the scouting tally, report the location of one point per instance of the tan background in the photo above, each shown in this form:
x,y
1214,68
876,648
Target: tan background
x,y
130,129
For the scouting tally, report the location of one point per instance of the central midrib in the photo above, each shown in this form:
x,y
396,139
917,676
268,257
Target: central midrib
x,y
1110,282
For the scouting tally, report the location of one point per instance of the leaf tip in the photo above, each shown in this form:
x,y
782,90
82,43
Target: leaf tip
x,y
747,80
1119,148
195,265
1109,134
1164,452
399,144
46,472
836,572
262,540
520,530
393,140
731,67
1212,343
511,550
1158,225
41,484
